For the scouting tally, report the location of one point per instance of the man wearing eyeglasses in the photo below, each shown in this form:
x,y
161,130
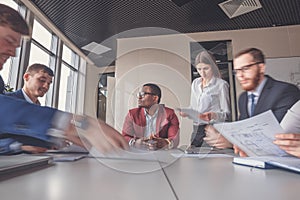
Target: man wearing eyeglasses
x,y
268,94
262,92
151,125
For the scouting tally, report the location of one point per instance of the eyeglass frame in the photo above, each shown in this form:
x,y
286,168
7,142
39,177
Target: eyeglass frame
x,y
143,94
244,68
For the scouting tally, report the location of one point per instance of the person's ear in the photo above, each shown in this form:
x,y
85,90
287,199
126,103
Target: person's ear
x,y
26,76
156,99
262,68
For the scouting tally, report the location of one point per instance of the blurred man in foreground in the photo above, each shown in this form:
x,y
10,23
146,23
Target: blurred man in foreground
x,y
38,126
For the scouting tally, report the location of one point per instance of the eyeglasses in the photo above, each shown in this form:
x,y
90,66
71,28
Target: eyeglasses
x,y
143,94
245,68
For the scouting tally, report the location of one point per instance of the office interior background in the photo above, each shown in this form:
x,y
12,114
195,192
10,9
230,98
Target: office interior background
x,y
102,52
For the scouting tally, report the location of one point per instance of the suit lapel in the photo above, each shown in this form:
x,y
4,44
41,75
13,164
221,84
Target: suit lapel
x,y
161,118
263,98
244,106
142,121
1,85
20,94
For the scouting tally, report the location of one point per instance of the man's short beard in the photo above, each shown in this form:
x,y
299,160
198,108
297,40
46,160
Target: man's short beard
x,y
255,82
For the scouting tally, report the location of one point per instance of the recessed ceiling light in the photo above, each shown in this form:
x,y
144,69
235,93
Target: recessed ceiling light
x,y
95,48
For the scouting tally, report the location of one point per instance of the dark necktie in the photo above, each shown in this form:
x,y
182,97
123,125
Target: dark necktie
x,y
252,107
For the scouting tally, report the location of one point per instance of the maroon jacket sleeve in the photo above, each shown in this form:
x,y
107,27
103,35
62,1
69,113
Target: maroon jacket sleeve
x,y
173,128
127,130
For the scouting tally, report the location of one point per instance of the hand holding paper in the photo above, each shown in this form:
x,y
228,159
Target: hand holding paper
x,y
192,114
289,142
254,135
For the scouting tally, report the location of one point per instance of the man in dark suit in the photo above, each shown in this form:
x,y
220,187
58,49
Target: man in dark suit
x,y
151,120
37,80
262,92
35,125
269,94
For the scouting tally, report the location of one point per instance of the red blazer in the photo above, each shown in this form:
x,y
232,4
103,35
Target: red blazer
x,y
167,124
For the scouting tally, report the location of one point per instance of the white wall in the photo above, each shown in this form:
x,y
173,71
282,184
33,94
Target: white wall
x,y
284,69
165,61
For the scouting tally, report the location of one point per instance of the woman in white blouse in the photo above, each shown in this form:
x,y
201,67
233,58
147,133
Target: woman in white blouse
x,y
209,96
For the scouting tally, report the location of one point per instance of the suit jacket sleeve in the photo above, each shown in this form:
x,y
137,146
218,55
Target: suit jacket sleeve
x,y
28,123
285,101
242,103
173,131
128,129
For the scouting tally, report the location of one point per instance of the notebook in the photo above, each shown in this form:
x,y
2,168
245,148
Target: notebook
x,y
265,162
256,162
23,162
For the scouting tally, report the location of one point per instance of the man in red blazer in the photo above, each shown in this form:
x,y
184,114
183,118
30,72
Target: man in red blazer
x,y
151,125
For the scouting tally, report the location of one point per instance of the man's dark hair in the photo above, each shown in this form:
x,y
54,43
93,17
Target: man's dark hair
x,y
257,54
12,19
154,89
39,67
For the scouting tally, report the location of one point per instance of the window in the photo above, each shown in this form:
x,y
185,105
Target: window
x,y
10,3
41,35
44,49
37,55
68,80
41,51
6,70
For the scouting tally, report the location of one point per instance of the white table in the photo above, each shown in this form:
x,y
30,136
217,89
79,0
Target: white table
x,y
186,178
218,178
88,179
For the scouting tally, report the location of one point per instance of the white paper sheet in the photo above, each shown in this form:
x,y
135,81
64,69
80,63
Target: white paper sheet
x,y
254,135
193,115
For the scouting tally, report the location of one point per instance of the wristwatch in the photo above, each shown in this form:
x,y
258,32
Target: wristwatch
x,y
131,142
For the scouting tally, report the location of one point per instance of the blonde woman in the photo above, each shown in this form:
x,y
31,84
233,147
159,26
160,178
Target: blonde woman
x,y
209,96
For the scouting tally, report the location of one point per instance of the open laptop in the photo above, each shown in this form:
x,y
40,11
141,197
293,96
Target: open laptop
x,y
15,164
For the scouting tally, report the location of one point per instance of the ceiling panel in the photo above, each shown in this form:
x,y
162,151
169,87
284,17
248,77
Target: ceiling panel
x,y
85,21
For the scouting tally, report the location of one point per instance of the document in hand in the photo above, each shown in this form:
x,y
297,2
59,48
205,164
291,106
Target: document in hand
x,y
193,115
254,135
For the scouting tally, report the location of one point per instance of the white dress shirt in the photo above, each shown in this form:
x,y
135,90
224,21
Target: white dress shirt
x,y
28,99
212,98
150,124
